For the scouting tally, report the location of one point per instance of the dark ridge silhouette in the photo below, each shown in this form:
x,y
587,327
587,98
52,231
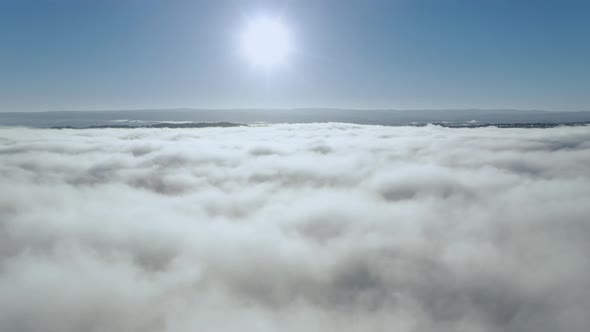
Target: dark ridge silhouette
x,y
513,125
185,118
158,125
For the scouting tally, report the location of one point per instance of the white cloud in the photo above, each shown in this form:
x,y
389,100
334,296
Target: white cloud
x,y
316,227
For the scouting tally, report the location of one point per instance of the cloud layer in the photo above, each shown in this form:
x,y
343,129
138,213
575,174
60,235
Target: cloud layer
x,y
317,227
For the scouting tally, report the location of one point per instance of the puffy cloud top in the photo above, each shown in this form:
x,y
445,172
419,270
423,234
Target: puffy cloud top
x,y
316,227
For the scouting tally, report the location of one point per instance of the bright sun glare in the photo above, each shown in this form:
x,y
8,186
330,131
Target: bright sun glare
x,y
266,42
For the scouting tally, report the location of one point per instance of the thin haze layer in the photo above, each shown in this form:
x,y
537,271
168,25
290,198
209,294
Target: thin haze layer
x,y
316,227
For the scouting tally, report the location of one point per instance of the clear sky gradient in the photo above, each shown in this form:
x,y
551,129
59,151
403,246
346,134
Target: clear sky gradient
x,y
398,54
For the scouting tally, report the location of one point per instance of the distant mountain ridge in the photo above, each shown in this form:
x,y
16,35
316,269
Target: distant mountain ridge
x,y
308,115
159,125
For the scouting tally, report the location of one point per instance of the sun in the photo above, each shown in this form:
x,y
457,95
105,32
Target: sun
x,y
266,42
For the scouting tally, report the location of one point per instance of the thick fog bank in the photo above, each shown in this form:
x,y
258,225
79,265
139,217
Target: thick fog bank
x,y
325,227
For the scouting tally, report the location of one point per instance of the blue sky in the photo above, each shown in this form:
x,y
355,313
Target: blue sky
x,y
398,54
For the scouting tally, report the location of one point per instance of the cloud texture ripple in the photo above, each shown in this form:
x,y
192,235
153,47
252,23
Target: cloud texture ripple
x,y
315,227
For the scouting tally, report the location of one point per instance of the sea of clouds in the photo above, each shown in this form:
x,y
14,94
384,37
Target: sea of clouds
x,y
315,227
